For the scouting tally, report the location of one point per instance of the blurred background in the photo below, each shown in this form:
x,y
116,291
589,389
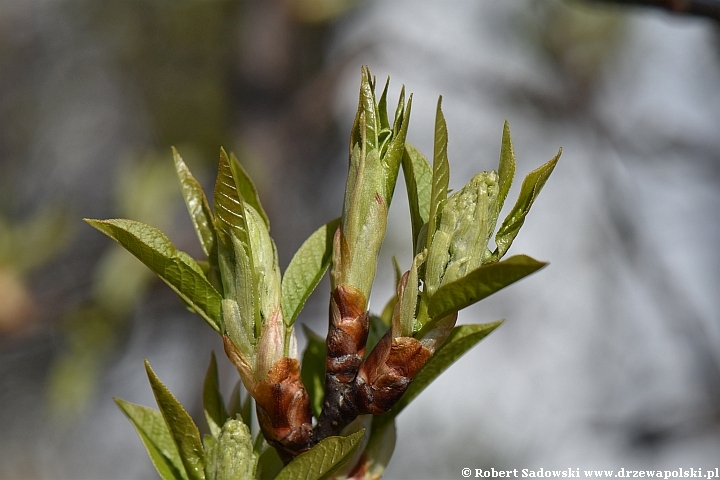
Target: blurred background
x,y
609,358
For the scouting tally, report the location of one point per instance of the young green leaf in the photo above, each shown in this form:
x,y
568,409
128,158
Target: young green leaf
x,y
229,206
176,268
440,174
392,158
478,284
529,191
154,433
323,460
234,402
306,269
246,187
215,413
369,108
461,339
312,370
418,180
382,108
183,430
506,170
198,207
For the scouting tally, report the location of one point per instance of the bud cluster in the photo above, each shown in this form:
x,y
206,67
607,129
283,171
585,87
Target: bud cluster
x,y
369,362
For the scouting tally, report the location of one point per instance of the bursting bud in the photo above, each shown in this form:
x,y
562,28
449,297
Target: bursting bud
x,y
231,456
266,274
257,332
376,150
467,221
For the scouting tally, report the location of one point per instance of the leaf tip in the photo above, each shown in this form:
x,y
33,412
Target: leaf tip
x,y
148,368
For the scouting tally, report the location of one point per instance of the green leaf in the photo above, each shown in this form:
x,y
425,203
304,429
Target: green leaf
x,y
418,180
392,158
368,106
176,268
312,370
154,433
478,284
382,107
323,460
183,430
269,464
215,412
461,339
306,269
198,207
506,170
246,187
234,403
529,191
237,406
229,206
440,174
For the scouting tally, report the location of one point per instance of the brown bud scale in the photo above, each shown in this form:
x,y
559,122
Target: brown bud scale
x,y
387,372
347,334
283,408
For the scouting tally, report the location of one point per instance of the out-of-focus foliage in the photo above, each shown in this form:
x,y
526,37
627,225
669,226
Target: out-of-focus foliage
x,y
179,57
579,39
23,247
146,190
320,11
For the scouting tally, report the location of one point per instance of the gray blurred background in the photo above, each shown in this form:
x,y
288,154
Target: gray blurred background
x,y
609,358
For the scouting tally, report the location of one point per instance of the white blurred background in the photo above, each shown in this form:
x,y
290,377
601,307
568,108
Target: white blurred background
x,y
610,356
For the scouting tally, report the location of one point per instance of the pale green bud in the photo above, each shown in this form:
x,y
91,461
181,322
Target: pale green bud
x,y
231,456
360,267
375,157
238,329
438,258
467,221
266,274
270,345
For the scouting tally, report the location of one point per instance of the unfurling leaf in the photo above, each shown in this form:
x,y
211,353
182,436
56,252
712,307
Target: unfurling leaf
x,y
215,412
306,269
529,191
154,433
183,430
176,268
440,174
324,459
198,208
246,187
506,170
418,181
229,206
